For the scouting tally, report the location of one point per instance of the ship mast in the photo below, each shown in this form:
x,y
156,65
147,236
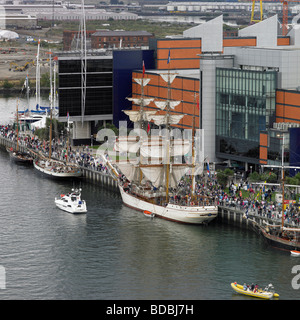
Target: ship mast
x,y
17,130
168,158
37,81
282,166
282,177
193,148
51,106
155,171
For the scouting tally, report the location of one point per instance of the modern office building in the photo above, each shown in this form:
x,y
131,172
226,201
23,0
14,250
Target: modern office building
x,y
86,104
97,93
246,86
120,39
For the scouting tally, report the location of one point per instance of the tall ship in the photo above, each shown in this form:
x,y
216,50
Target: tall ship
x,y
15,154
51,167
55,168
281,236
150,172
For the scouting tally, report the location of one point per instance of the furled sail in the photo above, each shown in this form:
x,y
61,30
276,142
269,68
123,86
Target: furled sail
x,y
162,104
139,101
156,174
128,169
136,116
156,148
177,172
127,144
152,148
168,77
142,81
163,119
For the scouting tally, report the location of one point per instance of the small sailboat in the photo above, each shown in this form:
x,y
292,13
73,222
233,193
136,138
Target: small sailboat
x,y
71,202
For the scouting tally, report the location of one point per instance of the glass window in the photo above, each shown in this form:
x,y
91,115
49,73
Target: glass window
x,y
245,106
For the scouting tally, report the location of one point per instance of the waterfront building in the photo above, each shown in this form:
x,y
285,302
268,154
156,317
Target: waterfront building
x,y
83,104
103,97
76,14
120,39
245,86
71,39
108,39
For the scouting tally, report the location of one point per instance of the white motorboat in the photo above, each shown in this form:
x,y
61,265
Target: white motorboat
x,y
71,202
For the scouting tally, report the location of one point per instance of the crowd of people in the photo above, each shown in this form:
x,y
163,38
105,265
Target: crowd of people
x,y
81,155
250,198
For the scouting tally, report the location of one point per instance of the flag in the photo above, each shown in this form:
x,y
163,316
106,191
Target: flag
x,y
143,68
169,57
26,82
148,128
198,106
208,171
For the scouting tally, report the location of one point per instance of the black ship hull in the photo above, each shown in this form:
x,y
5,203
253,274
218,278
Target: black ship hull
x,y
20,157
280,242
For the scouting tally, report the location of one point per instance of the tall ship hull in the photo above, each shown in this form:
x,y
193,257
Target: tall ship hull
x,y
172,212
57,170
283,243
20,157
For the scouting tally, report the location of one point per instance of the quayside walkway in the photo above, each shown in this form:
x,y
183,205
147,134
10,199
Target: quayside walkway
x,y
91,173
249,219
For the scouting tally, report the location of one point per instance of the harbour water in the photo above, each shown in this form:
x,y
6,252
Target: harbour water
x,y
114,252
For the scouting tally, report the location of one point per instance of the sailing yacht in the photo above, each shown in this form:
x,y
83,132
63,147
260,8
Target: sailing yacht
x,y
51,167
55,168
280,236
15,154
152,177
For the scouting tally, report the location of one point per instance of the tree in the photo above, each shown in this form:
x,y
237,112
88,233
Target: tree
x,y
223,176
45,80
254,176
7,84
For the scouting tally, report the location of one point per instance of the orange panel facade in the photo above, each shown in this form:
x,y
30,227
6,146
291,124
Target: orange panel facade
x,y
287,106
178,43
284,41
178,64
183,52
263,148
240,42
182,89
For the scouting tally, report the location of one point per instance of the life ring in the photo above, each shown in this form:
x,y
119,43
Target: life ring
x,y
192,203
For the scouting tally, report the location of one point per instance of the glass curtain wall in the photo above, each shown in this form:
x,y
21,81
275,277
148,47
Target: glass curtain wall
x,y
245,106
98,87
